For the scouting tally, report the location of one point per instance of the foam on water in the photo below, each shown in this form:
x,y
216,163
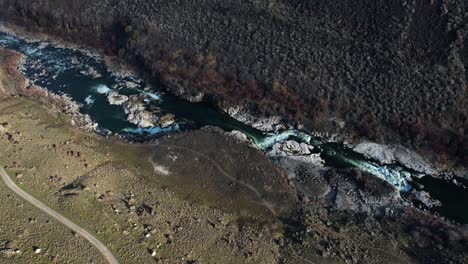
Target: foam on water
x,y
102,89
269,141
154,96
151,130
89,100
30,50
396,176
8,39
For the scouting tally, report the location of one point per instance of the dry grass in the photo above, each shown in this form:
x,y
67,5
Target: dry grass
x,y
115,192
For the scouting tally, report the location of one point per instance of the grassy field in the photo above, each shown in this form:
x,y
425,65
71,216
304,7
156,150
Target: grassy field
x,y
23,227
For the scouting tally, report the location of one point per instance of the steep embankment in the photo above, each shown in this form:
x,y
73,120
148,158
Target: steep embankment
x,y
10,79
393,71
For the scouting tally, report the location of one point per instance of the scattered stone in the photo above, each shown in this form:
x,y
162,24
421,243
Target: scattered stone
x,y
9,251
294,157
131,85
102,197
37,250
427,200
3,127
55,179
291,148
9,244
137,113
91,72
166,120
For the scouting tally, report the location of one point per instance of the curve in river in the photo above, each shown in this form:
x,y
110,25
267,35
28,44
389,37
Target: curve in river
x,y
87,80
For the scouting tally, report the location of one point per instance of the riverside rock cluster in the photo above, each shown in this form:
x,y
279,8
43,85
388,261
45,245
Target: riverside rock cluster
x,y
136,112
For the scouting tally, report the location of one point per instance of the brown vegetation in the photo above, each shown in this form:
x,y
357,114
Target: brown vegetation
x,y
394,71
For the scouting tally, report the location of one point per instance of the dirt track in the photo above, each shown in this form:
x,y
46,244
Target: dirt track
x,y
85,234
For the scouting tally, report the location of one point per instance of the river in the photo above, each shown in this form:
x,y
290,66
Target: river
x,y
87,80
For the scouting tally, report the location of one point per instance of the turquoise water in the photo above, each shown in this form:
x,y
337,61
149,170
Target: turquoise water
x,y
88,81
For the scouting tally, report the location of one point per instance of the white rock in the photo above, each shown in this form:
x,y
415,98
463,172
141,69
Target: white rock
x,y
291,155
412,160
239,135
166,120
379,152
8,251
137,113
395,154
290,148
264,124
131,84
115,98
427,200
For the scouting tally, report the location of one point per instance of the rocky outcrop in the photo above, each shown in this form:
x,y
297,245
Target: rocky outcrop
x,y
395,154
115,98
290,148
270,124
166,120
426,199
374,198
383,153
137,113
295,157
11,80
9,251
343,190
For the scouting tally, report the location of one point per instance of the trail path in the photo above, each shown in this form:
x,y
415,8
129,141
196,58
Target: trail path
x,y
93,240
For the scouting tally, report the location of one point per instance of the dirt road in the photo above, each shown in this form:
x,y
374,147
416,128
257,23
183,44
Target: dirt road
x,y
98,244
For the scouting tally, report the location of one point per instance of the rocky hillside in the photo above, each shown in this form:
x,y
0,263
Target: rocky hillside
x,y
10,80
392,70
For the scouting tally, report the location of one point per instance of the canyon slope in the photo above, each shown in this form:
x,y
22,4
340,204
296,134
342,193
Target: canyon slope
x,y
392,71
